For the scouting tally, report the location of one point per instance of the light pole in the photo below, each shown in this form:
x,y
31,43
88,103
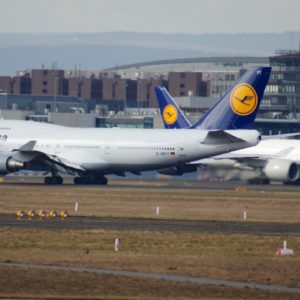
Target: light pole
x,y
125,97
139,102
138,92
55,91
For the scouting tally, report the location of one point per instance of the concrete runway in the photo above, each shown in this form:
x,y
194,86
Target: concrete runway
x,y
124,224
150,184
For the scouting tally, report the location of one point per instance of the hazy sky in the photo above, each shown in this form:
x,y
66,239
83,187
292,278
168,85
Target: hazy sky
x,y
172,16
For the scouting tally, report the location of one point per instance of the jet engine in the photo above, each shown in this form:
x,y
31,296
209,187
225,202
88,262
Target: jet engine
x,y
178,171
9,164
282,170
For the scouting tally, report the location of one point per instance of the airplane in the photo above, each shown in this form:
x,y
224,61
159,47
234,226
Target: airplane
x,y
89,154
272,159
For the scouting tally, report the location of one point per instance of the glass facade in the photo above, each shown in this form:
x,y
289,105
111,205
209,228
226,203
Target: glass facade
x,y
282,95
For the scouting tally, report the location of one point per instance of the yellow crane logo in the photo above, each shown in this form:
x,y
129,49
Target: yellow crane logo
x,y
170,114
243,99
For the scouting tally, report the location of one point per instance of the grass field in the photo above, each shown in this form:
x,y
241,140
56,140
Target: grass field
x,y
237,257
181,204
68,285
225,256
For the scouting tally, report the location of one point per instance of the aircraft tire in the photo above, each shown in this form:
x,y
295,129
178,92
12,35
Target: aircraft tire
x,y
104,181
87,180
259,181
82,180
58,180
47,180
297,182
101,180
53,180
77,180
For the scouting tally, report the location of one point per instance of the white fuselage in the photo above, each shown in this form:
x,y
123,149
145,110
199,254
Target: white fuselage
x,y
117,150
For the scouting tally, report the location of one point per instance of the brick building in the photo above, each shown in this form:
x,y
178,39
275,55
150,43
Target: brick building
x,y
146,92
186,84
102,88
48,82
113,88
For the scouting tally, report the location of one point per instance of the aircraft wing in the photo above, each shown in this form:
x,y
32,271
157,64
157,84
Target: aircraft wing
x,y
241,156
249,159
288,136
65,163
29,156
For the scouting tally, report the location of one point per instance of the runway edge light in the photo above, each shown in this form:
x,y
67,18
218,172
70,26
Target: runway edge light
x,y
31,214
117,244
42,214
284,251
52,214
157,210
20,214
64,214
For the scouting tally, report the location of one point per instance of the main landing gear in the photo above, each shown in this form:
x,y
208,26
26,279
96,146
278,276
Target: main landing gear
x,y
259,181
90,180
54,180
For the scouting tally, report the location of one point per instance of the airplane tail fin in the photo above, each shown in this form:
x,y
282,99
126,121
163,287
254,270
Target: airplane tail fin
x,y
237,109
172,116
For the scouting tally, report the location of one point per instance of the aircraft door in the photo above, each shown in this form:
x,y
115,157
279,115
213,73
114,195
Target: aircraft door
x,y
57,147
107,149
180,151
3,139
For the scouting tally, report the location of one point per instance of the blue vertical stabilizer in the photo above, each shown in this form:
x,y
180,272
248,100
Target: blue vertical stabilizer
x,y
237,109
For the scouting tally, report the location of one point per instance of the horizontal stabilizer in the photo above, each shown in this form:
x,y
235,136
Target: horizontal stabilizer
x,y
220,137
